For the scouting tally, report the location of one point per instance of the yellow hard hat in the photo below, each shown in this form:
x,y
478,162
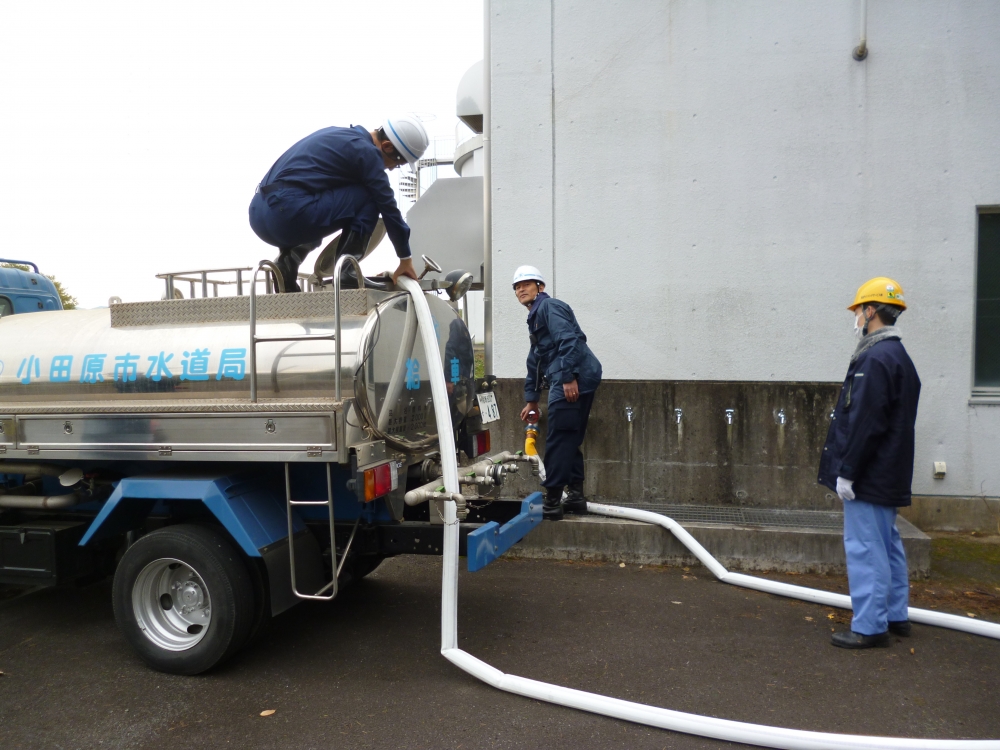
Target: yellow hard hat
x,y
880,290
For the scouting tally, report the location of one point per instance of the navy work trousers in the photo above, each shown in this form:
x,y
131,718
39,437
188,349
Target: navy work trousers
x,y
290,216
876,567
567,428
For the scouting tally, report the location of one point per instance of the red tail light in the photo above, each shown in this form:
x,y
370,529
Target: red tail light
x,y
481,443
380,480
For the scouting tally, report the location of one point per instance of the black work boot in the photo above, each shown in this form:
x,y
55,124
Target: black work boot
x,y
900,627
552,509
351,243
575,502
851,639
288,261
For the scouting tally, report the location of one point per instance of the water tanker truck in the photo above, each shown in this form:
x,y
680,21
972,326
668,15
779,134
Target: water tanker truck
x,y
226,457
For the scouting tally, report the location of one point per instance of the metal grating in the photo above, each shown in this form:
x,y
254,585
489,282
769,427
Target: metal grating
x,y
300,306
715,515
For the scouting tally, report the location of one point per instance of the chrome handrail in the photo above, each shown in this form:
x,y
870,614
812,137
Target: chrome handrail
x,y
335,336
337,270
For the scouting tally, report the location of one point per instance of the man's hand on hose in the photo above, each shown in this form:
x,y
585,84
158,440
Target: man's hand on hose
x,y
405,269
531,406
571,390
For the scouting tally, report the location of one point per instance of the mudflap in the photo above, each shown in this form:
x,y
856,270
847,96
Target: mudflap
x,y
491,540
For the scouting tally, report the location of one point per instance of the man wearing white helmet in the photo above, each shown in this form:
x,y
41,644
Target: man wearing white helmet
x,y
560,360
336,179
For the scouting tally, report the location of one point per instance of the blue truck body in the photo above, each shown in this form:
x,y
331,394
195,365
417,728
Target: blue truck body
x,y
26,291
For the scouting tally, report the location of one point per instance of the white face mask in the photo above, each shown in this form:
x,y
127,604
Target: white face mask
x,y
859,325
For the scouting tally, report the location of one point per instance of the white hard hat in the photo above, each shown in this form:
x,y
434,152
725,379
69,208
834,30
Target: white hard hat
x,y
527,273
408,136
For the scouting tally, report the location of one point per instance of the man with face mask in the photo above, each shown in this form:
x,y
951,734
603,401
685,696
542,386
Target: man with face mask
x,y
559,359
868,462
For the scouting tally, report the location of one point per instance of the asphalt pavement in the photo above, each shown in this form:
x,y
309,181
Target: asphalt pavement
x,y
365,671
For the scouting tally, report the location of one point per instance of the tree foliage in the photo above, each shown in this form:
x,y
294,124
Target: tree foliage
x,y
69,302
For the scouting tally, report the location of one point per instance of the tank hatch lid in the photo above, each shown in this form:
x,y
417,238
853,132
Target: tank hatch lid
x,y
299,306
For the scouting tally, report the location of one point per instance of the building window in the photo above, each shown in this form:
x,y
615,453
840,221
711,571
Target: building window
x,y
987,372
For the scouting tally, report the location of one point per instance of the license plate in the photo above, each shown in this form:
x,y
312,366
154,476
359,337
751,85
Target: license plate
x,y
488,409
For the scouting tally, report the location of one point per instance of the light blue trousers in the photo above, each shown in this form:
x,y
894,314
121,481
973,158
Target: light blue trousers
x,y
876,567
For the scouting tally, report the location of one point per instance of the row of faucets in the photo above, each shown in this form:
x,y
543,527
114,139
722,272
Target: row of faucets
x,y
779,416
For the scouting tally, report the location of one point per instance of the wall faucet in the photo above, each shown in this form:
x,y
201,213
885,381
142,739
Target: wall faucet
x,y
730,415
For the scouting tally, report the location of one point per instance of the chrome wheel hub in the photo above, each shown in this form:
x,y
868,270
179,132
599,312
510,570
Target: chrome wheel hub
x,y
172,604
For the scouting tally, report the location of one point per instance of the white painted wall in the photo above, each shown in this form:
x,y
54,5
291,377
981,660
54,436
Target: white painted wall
x,y
708,182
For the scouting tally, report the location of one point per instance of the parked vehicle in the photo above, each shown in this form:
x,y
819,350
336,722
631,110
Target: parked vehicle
x,y
25,291
227,457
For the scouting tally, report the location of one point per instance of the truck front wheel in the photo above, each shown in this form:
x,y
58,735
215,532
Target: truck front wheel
x,y
183,599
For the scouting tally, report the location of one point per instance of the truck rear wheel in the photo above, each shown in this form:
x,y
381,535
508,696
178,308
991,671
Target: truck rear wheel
x,y
184,599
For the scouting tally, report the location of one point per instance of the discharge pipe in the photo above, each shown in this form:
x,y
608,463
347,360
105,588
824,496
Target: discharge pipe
x,y
41,502
704,726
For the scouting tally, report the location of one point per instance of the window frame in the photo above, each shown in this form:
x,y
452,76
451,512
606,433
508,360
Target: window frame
x,y
980,394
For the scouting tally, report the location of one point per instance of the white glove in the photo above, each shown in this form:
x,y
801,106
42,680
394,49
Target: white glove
x,y
845,489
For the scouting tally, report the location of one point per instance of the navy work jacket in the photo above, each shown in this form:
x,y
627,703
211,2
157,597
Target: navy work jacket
x,y
559,352
871,437
336,157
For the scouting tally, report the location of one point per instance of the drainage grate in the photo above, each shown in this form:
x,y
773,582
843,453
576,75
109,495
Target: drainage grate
x,y
725,516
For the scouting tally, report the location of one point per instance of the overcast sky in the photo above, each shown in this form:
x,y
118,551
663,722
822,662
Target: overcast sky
x,y
133,134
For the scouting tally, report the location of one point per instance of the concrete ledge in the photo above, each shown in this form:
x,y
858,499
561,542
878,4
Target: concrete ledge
x,y
792,550
947,513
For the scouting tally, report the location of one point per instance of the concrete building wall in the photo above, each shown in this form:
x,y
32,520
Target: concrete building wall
x,y
707,183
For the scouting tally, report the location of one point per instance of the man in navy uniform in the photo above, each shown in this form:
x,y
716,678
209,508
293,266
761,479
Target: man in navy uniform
x,y
561,359
868,461
335,179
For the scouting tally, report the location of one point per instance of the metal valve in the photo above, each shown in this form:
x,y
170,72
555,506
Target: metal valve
x,y
730,415
429,265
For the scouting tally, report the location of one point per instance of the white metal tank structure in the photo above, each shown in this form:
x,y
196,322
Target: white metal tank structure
x,y
174,377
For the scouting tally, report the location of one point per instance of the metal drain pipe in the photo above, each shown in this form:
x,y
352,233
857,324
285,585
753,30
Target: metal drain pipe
x,y
703,726
487,194
861,51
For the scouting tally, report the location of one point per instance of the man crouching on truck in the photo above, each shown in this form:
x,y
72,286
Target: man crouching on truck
x,y
560,360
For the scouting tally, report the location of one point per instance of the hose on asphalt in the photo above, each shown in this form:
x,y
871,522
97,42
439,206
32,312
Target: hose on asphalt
x,y
703,726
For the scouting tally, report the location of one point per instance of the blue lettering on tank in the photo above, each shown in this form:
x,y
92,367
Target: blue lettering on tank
x,y
28,366
93,368
126,367
158,367
59,372
232,364
412,374
194,366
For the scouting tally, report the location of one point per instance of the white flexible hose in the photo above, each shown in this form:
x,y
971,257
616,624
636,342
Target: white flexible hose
x,y
677,721
922,616
449,462
397,379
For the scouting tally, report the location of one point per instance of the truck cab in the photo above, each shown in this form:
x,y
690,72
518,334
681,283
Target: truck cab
x,y
25,291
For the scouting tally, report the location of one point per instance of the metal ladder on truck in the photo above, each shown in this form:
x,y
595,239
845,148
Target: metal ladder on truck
x,y
329,591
